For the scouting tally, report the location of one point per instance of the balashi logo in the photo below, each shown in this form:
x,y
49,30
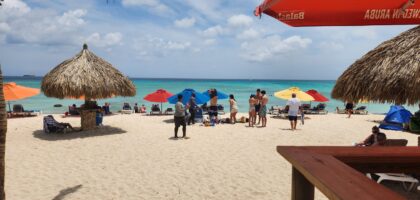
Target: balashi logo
x,y
291,15
392,14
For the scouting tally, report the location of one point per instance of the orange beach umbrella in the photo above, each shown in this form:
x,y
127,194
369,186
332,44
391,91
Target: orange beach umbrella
x,y
341,13
13,92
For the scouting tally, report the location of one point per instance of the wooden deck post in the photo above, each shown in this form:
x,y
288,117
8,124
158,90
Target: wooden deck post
x,y
302,189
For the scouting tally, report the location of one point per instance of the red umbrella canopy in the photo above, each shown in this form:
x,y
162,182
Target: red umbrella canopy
x,y
318,97
341,13
159,96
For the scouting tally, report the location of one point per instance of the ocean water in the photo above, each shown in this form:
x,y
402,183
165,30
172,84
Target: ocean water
x,y
242,89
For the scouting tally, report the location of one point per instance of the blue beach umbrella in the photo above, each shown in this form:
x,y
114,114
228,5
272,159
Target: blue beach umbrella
x,y
220,95
186,94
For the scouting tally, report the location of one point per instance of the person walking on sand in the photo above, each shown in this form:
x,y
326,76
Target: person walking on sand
x,y
293,105
258,98
349,108
192,108
233,109
252,113
179,117
263,109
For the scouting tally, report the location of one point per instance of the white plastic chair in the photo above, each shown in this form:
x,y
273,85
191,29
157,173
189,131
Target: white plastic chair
x,y
404,179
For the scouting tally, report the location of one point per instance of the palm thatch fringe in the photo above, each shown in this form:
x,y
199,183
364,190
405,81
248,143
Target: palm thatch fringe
x,y
3,130
86,75
390,73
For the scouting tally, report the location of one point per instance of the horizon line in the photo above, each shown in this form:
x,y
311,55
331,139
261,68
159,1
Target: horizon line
x,y
211,79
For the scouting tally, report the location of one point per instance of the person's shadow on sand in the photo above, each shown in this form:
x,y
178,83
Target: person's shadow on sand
x,y
101,131
179,138
63,193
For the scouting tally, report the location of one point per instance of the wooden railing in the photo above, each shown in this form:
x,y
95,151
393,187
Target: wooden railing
x,y
339,172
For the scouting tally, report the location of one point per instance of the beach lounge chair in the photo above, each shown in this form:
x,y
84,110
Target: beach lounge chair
x,y
52,126
155,110
127,109
73,111
220,109
18,110
169,111
198,115
361,110
340,111
319,109
396,176
306,108
275,110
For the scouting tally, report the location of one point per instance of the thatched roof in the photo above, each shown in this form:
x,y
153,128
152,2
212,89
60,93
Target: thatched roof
x,y
390,73
86,75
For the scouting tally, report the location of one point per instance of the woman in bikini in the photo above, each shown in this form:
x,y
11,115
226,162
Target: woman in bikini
x,y
252,113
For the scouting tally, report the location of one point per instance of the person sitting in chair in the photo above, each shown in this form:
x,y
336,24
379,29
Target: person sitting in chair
x,y
375,139
143,109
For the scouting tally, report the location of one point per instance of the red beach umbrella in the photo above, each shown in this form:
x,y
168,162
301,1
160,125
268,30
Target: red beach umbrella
x,y
317,96
158,96
341,13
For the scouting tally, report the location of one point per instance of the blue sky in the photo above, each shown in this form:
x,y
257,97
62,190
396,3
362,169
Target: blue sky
x,y
178,38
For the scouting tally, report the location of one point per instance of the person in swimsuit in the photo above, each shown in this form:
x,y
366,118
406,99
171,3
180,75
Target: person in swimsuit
x,y
263,110
233,109
213,104
258,97
349,108
252,113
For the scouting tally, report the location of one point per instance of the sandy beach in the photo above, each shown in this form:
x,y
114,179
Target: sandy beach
x,y
134,157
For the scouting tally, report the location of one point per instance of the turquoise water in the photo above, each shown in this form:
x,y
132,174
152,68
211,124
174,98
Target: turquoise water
x,y
240,88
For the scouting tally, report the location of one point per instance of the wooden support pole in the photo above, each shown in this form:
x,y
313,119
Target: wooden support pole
x,y
302,189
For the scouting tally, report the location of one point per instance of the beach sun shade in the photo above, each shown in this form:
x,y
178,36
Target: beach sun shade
x,y
158,96
13,92
186,95
387,74
318,97
220,95
341,13
287,94
86,75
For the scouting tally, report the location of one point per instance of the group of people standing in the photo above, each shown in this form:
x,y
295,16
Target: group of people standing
x,y
258,106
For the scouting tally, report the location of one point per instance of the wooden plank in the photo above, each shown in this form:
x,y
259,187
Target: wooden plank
x,y
333,177
373,159
302,189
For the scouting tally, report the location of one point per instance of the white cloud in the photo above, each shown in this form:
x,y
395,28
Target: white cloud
x,y
272,46
248,34
155,5
46,27
72,18
213,31
210,41
159,47
240,20
209,8
13,8
107,40
185,22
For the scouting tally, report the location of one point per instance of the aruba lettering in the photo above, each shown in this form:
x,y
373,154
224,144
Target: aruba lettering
x,y
391,14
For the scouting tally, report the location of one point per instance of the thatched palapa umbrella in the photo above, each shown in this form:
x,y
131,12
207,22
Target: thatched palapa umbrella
x,y
86,75
390,73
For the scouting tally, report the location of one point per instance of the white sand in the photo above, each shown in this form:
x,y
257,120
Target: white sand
x,y
139,161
